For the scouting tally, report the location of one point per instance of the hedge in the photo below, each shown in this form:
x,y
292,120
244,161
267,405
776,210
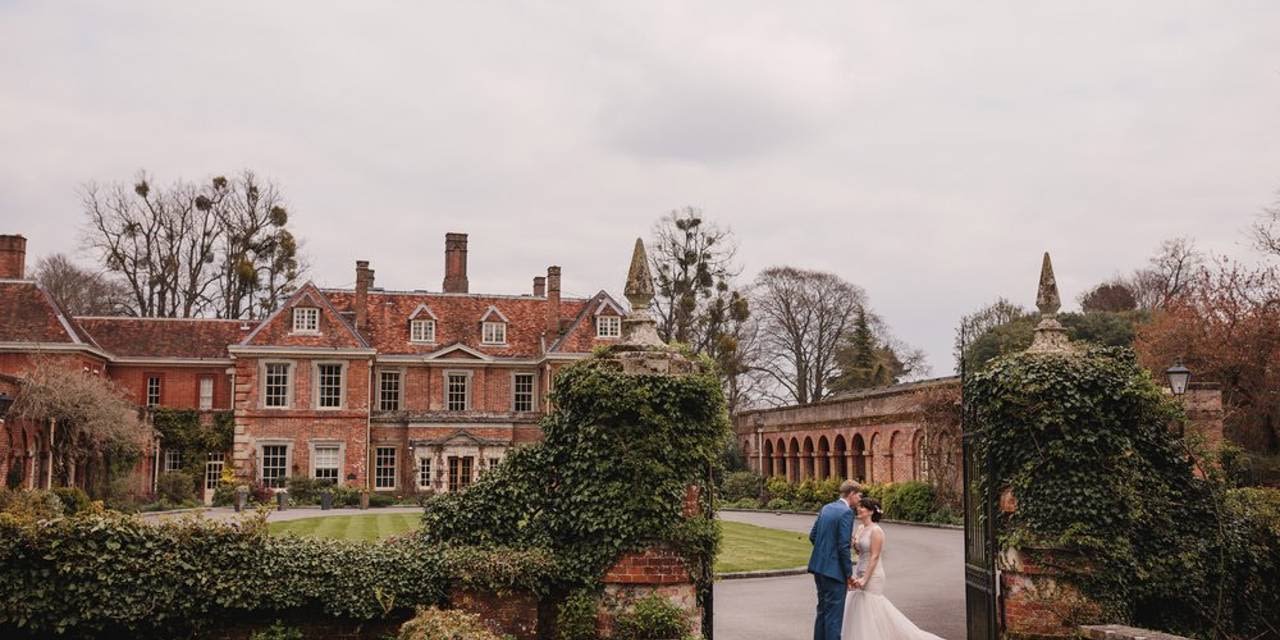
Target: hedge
x,y
107,574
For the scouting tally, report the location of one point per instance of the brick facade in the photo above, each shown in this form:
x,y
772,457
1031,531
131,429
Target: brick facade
x,y
428,439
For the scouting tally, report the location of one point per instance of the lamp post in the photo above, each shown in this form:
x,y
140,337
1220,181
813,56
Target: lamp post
x,y
1179,376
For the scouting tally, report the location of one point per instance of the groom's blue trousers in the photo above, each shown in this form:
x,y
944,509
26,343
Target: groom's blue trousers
x,y
831,595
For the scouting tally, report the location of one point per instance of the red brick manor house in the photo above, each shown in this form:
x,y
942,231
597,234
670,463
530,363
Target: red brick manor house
x,y
397,391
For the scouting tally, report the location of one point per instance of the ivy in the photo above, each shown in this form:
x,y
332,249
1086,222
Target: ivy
x,y
609,477
184,430
1087,443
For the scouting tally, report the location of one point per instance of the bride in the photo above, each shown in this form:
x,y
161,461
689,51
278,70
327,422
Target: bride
x,y
867,613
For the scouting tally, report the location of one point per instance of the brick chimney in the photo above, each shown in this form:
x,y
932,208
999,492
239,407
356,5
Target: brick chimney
x,y
553,301
455,263
364,282
539,286
13,257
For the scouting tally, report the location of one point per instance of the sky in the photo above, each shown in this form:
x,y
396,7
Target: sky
x,y
928,152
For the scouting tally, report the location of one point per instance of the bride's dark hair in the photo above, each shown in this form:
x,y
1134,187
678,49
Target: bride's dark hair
x,y
874,506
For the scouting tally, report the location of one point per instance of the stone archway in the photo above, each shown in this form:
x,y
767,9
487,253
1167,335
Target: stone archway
x,y
793,461
873,473
768,471
806,466
859,458
840,455
824,458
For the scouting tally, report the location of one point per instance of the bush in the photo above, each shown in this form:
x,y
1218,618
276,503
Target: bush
x,y
379,500
113,575
346,496
224,495
745,503
176,486
277,631
806,493
910,501
576,617
74,499
445,624
31,503
306,490
778,504
742,484
652,618
777,487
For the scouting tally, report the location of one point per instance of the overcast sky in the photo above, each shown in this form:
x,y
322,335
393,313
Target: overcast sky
x,y
927,153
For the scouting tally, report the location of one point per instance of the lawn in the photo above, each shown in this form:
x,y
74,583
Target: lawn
x,y
745,547
362,527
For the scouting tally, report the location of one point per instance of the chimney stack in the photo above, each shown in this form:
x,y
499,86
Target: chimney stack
x,y
553,302
539,286
364,282
455,263
13,257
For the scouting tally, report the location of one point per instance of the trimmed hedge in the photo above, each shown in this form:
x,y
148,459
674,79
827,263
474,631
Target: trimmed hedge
x,y
108,574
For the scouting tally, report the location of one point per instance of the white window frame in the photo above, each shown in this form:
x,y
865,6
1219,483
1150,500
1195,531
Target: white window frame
x,y
467,375
306,320
422,331
288,383
533,391
316,382
159,390
399,374
315,446
172,460
499,335
424,467
395,467
288,460
215,460
205,402
615,327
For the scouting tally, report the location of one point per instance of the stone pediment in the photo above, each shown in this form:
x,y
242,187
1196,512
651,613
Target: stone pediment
x,y
458,350
461,438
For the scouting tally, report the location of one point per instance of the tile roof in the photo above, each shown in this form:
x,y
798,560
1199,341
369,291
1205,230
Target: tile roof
x,y
458,320
165,337
29,314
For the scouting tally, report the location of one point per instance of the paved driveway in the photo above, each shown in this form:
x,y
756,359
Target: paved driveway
x,y
924,570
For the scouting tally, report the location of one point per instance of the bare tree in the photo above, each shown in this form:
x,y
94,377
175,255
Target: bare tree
x,y
803,317
260,261
939,447
81,292
187,250
1167,275
998,313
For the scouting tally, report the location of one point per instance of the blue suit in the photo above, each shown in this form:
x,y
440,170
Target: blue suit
x,y
831,565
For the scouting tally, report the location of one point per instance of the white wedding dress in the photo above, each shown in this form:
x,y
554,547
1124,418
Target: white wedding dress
x,y
868,615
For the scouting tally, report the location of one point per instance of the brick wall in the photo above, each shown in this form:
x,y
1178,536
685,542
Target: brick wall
x,y
179,386
514,613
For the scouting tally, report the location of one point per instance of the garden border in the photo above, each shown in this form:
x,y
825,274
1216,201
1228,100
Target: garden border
x,y
932,525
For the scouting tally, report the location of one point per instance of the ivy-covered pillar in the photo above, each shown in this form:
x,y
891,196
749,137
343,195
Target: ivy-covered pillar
x,y
1094,493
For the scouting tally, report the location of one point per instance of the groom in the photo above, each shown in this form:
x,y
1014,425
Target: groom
x,y
830,562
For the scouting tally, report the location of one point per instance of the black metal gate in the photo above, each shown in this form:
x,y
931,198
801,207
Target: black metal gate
x,y
981,595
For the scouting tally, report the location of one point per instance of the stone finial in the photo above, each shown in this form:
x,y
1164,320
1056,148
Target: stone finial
x,y
639,287
639,328
1047,299
1050,336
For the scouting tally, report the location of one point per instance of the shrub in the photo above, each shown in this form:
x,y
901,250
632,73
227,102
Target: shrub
x,y
576,617
74,499
277,631
742,484
778,504
305,489
777,487
445,624
224,495
346,496
176,486
31,503
806,493
745,503
653,617
910,501
379,500
113,575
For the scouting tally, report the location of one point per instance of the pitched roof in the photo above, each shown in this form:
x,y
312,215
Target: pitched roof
x,y
29,314
165,337
580,336
335,328
458,320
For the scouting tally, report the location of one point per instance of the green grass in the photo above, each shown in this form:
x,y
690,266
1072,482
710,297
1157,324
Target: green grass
x,y
745,547
362,527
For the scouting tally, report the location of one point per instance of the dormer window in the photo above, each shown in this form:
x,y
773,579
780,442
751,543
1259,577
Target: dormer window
x,y
608,327
494,333
306,320
422,330
493,327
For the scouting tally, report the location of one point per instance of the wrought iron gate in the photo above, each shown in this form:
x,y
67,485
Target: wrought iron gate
x,y
981,595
